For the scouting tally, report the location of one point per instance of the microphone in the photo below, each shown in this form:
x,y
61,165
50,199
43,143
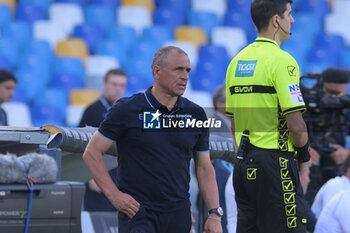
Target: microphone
x,y
288,33
39,167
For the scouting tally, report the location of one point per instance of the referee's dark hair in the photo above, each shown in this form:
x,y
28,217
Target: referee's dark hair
x,y
263,10
6,75
219,95
334,75
161,55
114,72
346,166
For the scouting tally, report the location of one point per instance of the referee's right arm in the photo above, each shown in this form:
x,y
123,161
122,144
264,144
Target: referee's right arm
x,y
297,129
298,135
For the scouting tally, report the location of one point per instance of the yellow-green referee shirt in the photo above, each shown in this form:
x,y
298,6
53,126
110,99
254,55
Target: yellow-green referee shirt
x,y
262,86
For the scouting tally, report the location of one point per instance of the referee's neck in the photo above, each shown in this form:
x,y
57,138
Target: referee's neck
x,y
272,36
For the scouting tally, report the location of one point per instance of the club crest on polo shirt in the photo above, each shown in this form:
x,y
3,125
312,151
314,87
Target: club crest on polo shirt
x,y
151,120
245,68
295,94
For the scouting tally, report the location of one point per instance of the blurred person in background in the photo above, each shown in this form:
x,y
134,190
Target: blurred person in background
x,y
219,103
335,215
331,188
304,176
7,89
231,206
223,169
114,85
328,125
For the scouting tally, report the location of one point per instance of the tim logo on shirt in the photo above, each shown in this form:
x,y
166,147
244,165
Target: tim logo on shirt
x,y
245,68
151,120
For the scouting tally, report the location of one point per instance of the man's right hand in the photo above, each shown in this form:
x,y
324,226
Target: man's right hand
x,y
125,203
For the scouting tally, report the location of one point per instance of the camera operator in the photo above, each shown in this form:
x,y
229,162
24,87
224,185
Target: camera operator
x,y
326,120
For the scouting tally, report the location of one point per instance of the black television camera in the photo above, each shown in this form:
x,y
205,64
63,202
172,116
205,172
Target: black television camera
x,y
311,86
326,115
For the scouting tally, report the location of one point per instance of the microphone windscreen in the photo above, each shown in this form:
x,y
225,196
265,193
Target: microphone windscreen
x,y
40,167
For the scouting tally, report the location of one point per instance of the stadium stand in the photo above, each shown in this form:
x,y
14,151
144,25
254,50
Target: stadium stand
x,y
125,33
10,3
73,47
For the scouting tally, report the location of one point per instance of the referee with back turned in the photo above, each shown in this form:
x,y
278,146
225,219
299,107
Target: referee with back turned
x,y
263,97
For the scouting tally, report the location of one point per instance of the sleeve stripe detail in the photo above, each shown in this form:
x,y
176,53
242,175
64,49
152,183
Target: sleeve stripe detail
x,y
290,110
105,136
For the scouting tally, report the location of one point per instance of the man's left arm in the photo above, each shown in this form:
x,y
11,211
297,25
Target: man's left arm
x,y
208,188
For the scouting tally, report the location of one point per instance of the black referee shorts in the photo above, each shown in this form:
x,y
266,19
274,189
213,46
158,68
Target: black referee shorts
x,y
268,193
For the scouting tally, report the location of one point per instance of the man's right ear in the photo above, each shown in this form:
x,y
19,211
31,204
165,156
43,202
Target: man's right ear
x,y
155,71
275,21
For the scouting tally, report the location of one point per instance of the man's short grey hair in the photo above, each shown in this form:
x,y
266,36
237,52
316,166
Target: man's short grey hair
x,y
160,57
219,95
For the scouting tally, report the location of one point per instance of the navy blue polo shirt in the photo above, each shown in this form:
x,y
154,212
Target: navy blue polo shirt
x,y
153,162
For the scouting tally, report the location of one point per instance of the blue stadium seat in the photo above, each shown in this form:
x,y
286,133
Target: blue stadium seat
x,y
125,33
113,48
31,13
203,19
41,48
204,82
318,7
239,5
20,96
137,83
214,53
68,65
307,23
92,34
331,41
32,82
158,34
182,6
9,50
297,4
315,67
139,66
297,49
235,18
55,97
295,42
168,16
144,50
345,58
42,3
208,76
19,31
323,55
5,64
35,62
100,15
5,15
46,115
111,3
79,2
66,82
